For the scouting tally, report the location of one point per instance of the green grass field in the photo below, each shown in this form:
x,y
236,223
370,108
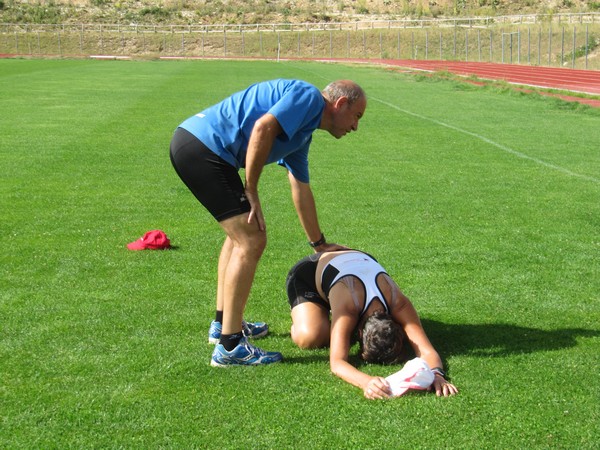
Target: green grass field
x,y
483,204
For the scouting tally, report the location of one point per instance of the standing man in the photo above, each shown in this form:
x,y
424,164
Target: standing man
x,y
271,121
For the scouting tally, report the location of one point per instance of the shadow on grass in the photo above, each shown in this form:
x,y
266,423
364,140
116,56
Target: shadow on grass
x,y
499,339
308,359
487,340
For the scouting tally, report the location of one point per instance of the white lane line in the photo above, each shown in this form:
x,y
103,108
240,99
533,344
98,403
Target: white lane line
x,y
489,141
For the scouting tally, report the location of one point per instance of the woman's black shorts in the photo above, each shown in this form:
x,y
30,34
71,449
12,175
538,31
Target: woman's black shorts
x,y
213,181
301,284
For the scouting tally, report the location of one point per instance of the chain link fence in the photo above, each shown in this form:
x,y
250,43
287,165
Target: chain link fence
x,y
569,40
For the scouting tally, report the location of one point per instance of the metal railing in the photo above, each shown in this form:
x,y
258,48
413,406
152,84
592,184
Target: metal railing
x,y
567,40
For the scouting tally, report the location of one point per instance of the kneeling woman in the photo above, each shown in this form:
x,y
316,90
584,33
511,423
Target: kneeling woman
x,y
361,296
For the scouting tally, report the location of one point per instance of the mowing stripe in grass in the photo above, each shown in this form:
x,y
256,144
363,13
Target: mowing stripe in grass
x,y
475,135
489,141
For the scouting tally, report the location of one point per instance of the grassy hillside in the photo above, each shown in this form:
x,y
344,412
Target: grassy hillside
x,y
269,11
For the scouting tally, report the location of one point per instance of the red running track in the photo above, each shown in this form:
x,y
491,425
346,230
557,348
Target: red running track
x,y
574,80
583,81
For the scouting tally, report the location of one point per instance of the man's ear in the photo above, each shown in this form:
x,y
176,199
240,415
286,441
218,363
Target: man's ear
x,y
341,102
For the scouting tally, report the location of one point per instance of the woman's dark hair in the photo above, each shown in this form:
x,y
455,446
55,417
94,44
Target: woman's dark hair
x,y
382,340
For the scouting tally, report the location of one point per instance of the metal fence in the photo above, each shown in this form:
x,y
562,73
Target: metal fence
x,y
571,40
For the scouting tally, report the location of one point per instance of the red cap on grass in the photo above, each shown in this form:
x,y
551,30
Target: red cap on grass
x,y
415,374
152,240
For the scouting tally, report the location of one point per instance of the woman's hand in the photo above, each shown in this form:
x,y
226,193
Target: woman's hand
x,y
443,387
377,387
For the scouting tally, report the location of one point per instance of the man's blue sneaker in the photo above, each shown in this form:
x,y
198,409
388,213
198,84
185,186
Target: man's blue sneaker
x,y
245,354
250,329
254,330
214,332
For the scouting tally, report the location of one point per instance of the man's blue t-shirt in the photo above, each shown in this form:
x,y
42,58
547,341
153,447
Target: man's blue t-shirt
x,y
225,127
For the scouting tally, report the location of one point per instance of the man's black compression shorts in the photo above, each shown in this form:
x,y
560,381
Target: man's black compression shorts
x,y
213,181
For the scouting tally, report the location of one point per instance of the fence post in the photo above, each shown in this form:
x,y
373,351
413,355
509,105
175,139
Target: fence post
x,y
519,45
549,43
454,54
529,45
562,48
574,47
540,46
586,44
